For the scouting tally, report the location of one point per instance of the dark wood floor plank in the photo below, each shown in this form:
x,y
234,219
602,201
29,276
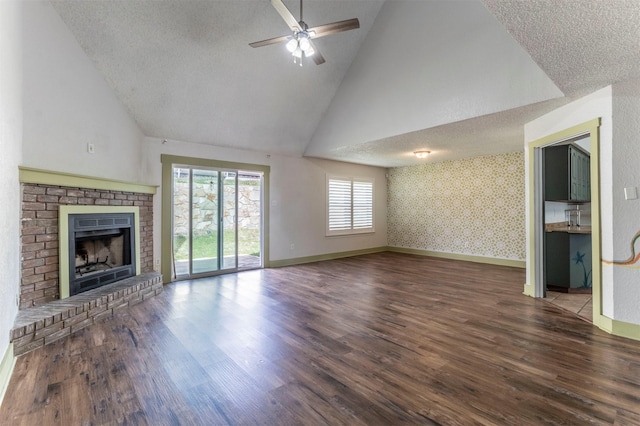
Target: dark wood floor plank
x,y
377,339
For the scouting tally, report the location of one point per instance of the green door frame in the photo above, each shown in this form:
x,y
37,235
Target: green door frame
x,y
536,221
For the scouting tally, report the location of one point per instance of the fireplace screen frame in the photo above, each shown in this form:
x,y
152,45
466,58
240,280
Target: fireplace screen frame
x,y
86,225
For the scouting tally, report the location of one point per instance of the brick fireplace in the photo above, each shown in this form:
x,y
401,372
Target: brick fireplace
x,y
40,240
50,200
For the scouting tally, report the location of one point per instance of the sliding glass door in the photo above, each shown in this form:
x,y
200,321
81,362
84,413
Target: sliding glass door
x,y
216,221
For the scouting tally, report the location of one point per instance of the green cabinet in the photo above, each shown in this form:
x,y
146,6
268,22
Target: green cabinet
x,y
567,261
556,260
567,174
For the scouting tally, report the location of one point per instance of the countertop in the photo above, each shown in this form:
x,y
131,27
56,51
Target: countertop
x,y
562,227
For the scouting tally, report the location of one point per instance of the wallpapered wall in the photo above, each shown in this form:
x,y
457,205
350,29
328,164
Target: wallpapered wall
x,y
471,206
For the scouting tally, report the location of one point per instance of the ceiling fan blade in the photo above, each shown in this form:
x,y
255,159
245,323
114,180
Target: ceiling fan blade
x,y
269,41
317,56
335,27
286,15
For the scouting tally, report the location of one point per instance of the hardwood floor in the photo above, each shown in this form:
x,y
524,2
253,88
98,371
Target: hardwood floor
x,y
378,339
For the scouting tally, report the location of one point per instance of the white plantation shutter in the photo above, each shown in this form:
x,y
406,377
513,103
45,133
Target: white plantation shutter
x,y
339,205
362,205
349,206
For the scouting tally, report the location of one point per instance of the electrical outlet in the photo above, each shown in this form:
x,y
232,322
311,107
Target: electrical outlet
x,y
157,262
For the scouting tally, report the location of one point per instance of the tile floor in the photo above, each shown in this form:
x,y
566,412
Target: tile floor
x,y
579,304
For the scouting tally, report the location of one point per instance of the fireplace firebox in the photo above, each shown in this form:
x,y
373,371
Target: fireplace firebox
x,y
101,249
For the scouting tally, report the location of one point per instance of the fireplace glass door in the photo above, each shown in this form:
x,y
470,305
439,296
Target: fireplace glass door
x,y
217,225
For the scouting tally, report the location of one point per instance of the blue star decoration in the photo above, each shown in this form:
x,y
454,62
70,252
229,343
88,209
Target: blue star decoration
x,y
579,258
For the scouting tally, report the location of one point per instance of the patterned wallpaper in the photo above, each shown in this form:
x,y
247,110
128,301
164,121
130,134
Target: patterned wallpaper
x,y
472,206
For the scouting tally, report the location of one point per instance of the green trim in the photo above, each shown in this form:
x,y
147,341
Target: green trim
x,y
454,256
46,177
620,328
529,290
465,257
63,242
592,129
206,162
329,256
625,329
165,228
596,232
168,161
265,220
6,369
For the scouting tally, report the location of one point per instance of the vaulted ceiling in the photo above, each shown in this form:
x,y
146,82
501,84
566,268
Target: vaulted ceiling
x,y
456,77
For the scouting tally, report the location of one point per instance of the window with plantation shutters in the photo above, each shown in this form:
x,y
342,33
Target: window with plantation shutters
x,y
349,206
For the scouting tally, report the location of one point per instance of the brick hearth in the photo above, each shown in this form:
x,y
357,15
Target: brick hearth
x,y
41,325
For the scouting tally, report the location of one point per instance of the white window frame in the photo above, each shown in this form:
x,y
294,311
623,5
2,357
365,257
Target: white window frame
x,y
349,229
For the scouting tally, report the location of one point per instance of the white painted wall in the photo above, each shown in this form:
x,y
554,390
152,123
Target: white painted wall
x,y
596,105
297,195
395,86
626,215
68,104
584,143
298,185
10,143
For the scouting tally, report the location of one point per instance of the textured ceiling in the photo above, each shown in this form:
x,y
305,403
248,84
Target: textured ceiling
x,y
582,45
185,70
461,64
459,78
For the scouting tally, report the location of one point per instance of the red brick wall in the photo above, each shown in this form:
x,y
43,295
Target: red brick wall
x,y
39,283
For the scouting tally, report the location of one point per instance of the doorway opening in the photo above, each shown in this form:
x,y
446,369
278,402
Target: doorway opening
x,y
567,252
541,217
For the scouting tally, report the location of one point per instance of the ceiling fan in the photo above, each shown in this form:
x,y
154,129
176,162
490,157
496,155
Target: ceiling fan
x,y
299,43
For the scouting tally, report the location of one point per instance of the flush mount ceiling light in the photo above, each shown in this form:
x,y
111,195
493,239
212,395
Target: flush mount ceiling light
x,y
421,154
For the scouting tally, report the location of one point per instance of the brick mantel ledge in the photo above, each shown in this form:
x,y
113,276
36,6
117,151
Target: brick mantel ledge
x,y
41,325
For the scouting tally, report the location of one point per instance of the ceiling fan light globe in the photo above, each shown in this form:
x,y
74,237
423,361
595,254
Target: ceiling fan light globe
x,y
304,43
292,45
297,53
309,52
